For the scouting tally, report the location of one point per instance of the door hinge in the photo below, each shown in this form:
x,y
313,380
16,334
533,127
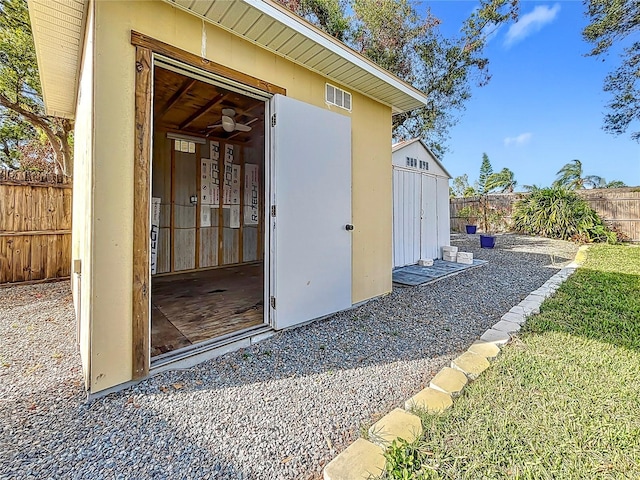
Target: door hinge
x,y
272,301
273,120
273,210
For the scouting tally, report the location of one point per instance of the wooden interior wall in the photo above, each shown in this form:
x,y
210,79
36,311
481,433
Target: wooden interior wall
x,y
184,213
35,227
161,188
252,245
198,244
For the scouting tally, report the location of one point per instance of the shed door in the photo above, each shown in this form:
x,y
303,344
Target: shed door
x,y
311,247
429,245
407,212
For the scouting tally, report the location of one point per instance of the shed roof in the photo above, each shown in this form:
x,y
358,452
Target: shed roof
x,y
405,143
58,29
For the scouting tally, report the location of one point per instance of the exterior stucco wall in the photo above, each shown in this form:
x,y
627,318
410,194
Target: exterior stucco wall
x,y
113,164
82,196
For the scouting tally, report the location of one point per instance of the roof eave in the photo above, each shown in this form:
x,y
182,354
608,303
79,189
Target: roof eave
x,y
61,104
416,98
356,57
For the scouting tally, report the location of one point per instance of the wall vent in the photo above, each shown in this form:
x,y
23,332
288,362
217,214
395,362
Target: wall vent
x,y
338,97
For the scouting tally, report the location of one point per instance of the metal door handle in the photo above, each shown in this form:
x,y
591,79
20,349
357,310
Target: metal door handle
x,y
348,226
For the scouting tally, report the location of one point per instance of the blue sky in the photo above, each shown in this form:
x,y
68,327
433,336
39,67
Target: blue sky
x,y
544,105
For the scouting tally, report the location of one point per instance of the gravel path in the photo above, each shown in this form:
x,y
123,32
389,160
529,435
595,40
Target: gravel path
x,y
278,410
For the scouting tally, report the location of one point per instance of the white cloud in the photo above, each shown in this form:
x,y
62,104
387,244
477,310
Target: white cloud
x,y
531,23
521,139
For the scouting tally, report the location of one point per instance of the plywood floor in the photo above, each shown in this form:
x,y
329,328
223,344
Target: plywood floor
x,y
192,307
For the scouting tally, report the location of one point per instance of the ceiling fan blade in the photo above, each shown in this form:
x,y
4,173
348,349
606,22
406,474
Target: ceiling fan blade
x,y
242,128
228,123
214,125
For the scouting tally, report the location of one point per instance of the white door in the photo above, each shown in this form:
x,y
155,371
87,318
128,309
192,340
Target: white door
x,y
311,245
429,244
407,212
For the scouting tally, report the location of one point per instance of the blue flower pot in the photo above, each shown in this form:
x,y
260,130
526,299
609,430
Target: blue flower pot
x,y
487,241
471,228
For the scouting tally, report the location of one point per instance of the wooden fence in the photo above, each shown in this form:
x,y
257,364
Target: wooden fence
x,y
35,226
618,207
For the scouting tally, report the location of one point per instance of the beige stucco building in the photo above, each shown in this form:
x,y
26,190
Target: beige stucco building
x,y
232,175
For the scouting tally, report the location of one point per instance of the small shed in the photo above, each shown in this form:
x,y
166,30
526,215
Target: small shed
x,y
231,175
420,203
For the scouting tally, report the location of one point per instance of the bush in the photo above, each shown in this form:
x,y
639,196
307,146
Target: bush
x,y
560,213
470,214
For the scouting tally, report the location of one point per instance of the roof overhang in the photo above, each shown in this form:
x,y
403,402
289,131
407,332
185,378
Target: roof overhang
x,y
273,27
58,30
400,145
58,33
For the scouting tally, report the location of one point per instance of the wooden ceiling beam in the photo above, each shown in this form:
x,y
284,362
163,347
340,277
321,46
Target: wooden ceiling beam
x,y
250,109
203,111
184,88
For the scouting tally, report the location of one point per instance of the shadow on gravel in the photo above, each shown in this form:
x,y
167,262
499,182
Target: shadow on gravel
x,y
108,439
281,408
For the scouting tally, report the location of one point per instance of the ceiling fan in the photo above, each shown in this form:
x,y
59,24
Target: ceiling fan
x,y
228,122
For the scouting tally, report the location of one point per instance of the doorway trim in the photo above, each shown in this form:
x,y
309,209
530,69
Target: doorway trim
x,y
141,295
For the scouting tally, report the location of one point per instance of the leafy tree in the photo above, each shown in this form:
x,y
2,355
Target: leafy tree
x,y
14,132
570,176
486,170
329,15
20,90
615,184
402,38
613,22
447,69
37,156
461,187
504,180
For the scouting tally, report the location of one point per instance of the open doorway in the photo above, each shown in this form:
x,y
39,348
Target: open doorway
x,y
208,221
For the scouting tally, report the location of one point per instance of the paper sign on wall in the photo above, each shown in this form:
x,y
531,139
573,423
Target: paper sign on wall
x,y
226,182
205,181
155,232
234,216
214,150
228,153
235,185
205,215
251,194
215,185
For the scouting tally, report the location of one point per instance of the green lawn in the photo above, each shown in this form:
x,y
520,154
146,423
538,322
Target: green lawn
x,y
562,401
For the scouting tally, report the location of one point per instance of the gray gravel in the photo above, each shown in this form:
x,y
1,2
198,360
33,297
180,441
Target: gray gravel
x,y
278,410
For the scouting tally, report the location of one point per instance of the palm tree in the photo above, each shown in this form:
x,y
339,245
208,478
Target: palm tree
x,y
504,180
570,177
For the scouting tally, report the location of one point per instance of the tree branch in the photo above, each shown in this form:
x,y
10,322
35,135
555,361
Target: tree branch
x,y
41,123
